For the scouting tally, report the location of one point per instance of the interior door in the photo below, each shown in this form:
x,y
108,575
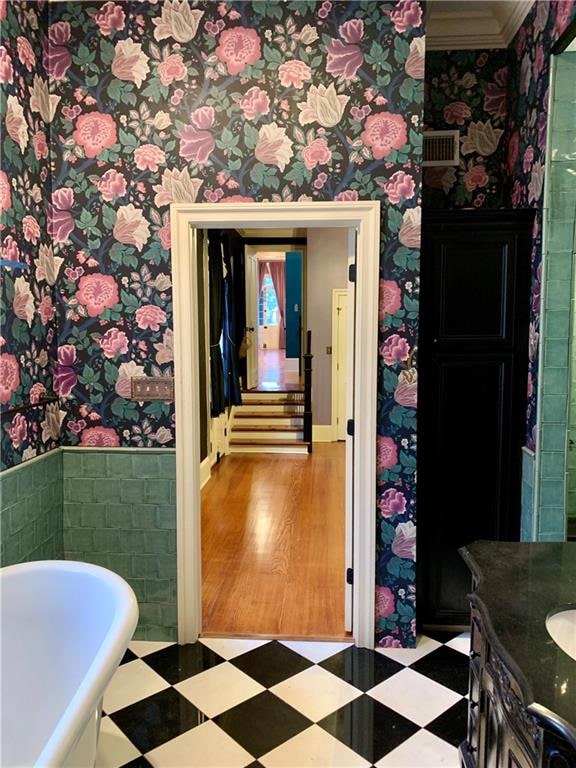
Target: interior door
x,y
252,321
350,393
339,359
473,362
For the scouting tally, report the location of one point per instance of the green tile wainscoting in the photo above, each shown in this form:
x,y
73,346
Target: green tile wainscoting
x,y
553,476
31,510
527,495
120,512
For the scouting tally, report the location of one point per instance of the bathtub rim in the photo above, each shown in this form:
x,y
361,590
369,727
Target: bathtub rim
x,y
86,699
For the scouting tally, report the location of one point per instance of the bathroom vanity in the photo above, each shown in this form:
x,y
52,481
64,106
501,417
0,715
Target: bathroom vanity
x,y
522,708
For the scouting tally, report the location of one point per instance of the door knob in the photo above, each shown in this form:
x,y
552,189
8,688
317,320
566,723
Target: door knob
x,y
249,329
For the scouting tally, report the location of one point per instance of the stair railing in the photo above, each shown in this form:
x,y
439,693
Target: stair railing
x,y
308,391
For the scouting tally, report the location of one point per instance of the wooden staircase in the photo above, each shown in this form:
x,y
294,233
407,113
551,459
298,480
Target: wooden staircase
x,y
269,422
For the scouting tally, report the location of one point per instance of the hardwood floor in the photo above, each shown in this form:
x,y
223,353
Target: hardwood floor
x,y
272,373
273,545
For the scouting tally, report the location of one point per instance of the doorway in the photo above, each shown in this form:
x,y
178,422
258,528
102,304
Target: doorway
x,y
364,219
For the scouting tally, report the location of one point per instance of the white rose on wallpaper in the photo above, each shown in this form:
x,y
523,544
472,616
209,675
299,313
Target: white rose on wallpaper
x,y
53,418
176,187
41,100
161,121
47,265
23,302
178,21
481,138
16,125
536,182
308,34
323,105
130,62
409,234
273,147
131,227
165,348
126,372
415,62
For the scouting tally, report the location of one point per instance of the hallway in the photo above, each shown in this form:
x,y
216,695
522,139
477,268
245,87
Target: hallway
x,y
273,545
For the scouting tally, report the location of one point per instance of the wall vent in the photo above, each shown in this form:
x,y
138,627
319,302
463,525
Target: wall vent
x,y
441,148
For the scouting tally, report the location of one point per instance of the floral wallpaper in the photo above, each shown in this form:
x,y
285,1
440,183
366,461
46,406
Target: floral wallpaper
x,y
178,101
468,91
28,329
526,145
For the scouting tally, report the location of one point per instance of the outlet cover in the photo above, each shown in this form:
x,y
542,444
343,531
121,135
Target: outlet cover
x,y
153,388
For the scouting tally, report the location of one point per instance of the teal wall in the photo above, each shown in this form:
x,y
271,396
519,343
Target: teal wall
x,y
31,511
293,302
558,289
120,512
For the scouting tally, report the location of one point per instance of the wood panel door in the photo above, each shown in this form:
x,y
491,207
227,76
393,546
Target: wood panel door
x,y
473,362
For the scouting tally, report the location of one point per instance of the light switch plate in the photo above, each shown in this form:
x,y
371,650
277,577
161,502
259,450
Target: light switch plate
x,y
328,350
153,388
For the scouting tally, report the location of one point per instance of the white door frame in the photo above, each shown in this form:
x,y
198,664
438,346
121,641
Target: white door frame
x,y
364,218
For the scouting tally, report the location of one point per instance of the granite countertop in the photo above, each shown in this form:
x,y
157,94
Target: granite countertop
x,y
518,586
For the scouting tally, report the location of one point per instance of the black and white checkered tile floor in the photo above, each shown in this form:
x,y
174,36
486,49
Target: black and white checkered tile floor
x,y
231,703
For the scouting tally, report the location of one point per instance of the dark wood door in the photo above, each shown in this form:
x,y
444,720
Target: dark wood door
x,y
473,362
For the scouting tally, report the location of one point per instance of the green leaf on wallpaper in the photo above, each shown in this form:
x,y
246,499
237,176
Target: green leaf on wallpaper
x,y
376,55
125,409
110,372
302,6
107,51
108,216
20,332
407,87
235,165
154,252
408,462
120,91
390,379
128,139
394,220
89,377
298,173
152,90
12,152
250,135
83,56
406,610
264,176
411,306
272,55
401,49
130,302
387,532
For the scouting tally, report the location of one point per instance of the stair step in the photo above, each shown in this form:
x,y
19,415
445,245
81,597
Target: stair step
x,y
238,414
287,394
278,434
271,401
265,441
265,428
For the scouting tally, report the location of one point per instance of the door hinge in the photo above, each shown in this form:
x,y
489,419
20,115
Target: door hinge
x,y
350,427
350,576
352,273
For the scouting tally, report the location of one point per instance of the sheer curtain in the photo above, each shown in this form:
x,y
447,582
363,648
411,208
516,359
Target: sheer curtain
x,y
278,274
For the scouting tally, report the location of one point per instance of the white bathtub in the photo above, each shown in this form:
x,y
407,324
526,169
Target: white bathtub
x,y
64,629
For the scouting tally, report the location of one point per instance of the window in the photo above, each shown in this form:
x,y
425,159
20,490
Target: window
x,y
268,312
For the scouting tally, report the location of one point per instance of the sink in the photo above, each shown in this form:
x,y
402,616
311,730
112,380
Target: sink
x,y
562,629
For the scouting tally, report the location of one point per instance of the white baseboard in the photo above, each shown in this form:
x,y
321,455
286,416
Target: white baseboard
x,y
292,365
323,433
204,471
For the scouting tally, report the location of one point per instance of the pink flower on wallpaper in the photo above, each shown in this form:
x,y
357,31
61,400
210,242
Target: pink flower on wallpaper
x,y
386,453
110,18
294,73
149,316
385,605
495,94
456,113
238,47
255,103
6,68
384,132
3,9
60,224
9,376
30,229
171,69
352,31
399,187
406,392
203,118
533,340
348,195
536,182
165,235
343,60
111,185
390,300
10,250
46,309
475,178
131,228
273,146
5,193
404,544
63,198
563,15
394,349
196,146
525,74
513,152
59,33
528,158
40,145
113,343
148,157
97,292
414,65
316,153
410,231
392,502
237,199
16,124
389,642
100,437
94,132
65,378
56,60
18,430
37,392
517,194
130,62
26,53
405,15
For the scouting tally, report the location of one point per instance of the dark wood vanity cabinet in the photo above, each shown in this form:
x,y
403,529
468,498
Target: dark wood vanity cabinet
x,y
501,732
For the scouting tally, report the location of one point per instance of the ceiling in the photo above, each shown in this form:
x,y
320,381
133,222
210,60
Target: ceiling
x,y
469,24
275,233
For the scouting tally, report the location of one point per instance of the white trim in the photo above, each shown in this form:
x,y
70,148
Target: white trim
x,y
205,472
29,462
323,433
335,390
292,365
452,27
362,216
120,449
